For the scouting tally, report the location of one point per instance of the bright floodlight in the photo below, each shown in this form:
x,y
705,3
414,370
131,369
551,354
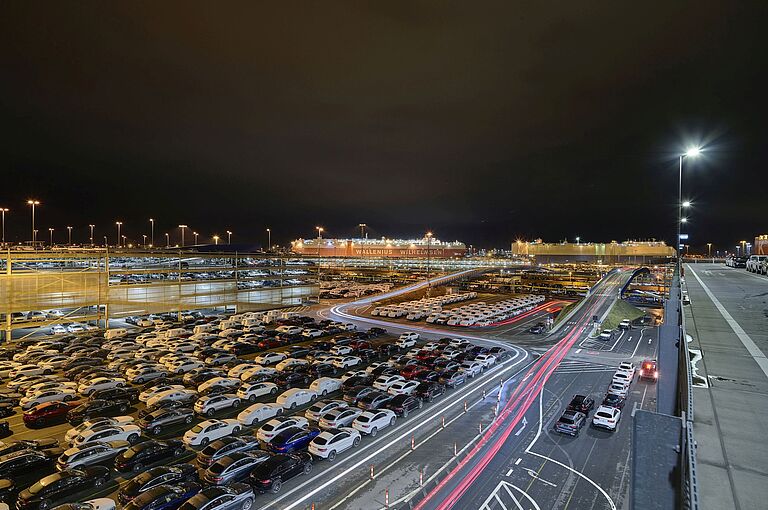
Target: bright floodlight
x,y
693,152
687,203
684,220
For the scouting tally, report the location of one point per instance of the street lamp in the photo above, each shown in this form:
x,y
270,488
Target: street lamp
x,y
692,152
91,238
119,224
182,227
578,239
362,230
50,231
3,210
144,237
709,250
167,240
152,231
216,240
33,203
195,234
320,231
429,245
229,237
69,234
124,244
269,240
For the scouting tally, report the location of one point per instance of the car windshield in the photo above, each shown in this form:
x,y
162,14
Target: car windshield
x,y
363,418
320,440
566,420
603,414
196,429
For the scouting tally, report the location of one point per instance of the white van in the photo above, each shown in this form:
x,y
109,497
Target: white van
x,y
174,333
229,323
289,399
250,322
325,385
115,333
203,328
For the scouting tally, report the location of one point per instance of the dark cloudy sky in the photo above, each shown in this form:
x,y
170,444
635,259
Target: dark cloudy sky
x,y
482,121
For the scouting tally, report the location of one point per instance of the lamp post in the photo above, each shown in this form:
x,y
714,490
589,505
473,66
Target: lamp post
x,y
144,238
362,230
91,238
124,244
3,210
269,240
319,232
229,237
106,242
429,246
69,236
50,231
690,153
183,228
119,224
167,240
152,231
578,239
33,203
743,248
195,234
709,250
216,240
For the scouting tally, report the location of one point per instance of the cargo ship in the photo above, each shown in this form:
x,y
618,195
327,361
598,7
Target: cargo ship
x,y
379,248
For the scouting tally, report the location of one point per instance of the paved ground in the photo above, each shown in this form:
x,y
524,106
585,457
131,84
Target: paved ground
x,y
728,322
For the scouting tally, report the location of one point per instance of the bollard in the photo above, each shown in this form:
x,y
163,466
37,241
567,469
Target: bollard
x,y
496,410
501,382
455,449
371,471
313,506
413,443
421,478
386,498
443,420
483,393
479,429
498,397
465,406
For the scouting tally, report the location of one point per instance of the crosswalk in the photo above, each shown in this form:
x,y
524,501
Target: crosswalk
x,y
507,496
580,367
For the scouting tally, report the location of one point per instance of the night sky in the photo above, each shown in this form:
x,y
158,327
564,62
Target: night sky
x,y
481,121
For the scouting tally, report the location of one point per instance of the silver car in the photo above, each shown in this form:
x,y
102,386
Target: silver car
x,y
89,454
237,496
234,467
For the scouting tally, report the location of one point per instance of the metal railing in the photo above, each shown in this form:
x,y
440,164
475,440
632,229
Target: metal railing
x,y
689,483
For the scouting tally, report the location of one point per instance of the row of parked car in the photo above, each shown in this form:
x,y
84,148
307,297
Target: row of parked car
x,y
422,307
486,314
178,374
753,263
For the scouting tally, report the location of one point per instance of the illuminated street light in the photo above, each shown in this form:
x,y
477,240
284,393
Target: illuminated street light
x,y
692,152
167,240
269,240
50,231
33,203
683,220
429,245
69,234
362,230
216,240
91,238
119,224
152,231
320,231
578,239
687,203
229,237
709,250
182,227
3,210
195,234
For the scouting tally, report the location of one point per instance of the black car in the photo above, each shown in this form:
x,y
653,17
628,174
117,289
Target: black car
x,y
272,473
24,462
61,487
164,496
321,345
142,454
537,329
374,400
28,444
225,446
322,370
5,429
612,400
357,380
581,403
429,390
430,376
129,394
7,409
97,409
199,375
403,405
292,380
298,351
354,394
156,421
376,331
167,404
162,381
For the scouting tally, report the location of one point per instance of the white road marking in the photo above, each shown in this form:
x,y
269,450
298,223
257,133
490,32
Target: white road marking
x,y
525,422
578,351
518,461
748,343
634,409
509,471
533,474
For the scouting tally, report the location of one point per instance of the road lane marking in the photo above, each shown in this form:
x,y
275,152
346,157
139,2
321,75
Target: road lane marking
x,y
525,422
518,461
509,471
578,351
533,474
748,343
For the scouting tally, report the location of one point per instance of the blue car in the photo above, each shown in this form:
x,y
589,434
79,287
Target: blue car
x,y
164,497
293,439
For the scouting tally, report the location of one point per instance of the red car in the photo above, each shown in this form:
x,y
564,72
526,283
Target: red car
x,y
47,412
361,344
413,371
270,343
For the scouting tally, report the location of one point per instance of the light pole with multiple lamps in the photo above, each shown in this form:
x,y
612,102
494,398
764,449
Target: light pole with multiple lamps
x,y
429,246
362,230
3,210
33,203
183,228
119,225
216,240
690,153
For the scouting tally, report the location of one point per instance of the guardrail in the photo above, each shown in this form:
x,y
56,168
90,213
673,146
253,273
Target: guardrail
x,y
689,483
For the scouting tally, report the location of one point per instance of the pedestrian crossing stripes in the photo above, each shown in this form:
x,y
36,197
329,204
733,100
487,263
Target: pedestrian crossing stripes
x,y
578,367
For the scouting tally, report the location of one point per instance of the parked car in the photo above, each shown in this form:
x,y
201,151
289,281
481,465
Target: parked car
x,y
226,446
50,412
403,405
161,475
157,421
210,430
143,454
164,497
97,408
333,441
570,423
581,403
270,475
371,422
236,496
611,400
606,417
259,412
292,439
61,487
289,399
339,417
276,425
233,467
89,454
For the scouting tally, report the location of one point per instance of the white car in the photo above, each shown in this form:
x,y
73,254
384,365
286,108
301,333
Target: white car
x,y
102,433
257,370
209,405
330,442
293,397
403,387
211,430
606,335
627,366
100,383
145,322
51,385
371,422
172,394
619,389
407,340
184,366
383,382
238,370
472,368
270,358
259,412
340,350
273,427
23,370
289,362
346,362
325,385
318,409
225,382
55,363
252,391
58,329
486,360
147,394
54,395
624,378
72,433
312,333
353,373
606,417
431,346
339,417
